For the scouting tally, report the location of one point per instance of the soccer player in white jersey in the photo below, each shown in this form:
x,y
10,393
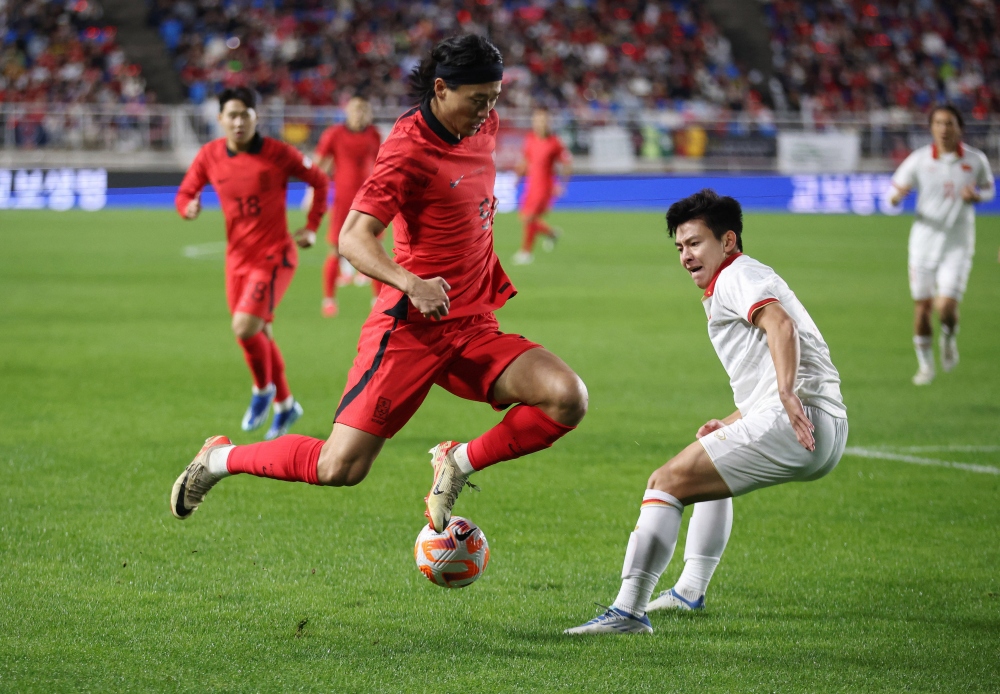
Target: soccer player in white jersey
x,y
790,425
950,178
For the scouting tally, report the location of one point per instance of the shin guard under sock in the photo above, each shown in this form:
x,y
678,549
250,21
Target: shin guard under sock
x,y
257,351
523,430
290,457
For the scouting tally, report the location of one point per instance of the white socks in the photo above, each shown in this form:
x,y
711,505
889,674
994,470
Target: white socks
x,y
708,533
217,460
257,391
650,547
284,405
923,345
461,453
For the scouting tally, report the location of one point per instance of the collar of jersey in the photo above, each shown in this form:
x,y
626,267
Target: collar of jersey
x,y
435,124
256,144
710,289
959,151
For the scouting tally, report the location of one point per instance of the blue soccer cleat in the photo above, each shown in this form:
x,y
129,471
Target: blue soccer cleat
x,y
672,600
283,421
614,621
256,413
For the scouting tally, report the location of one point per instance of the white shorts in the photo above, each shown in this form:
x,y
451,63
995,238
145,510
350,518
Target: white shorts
x,y
940,261
761,450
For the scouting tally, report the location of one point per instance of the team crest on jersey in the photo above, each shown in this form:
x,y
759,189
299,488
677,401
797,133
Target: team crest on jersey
x,y
381,410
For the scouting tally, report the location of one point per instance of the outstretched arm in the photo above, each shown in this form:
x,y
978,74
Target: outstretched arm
x,y
360,245
188,199
783,342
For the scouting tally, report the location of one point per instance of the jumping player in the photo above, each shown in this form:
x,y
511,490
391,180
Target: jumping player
x,y
250,175
544,153
347,152
790,425
433,322
950,178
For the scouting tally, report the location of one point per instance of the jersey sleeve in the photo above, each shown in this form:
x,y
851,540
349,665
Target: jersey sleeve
x,y
301,167
194,180
906,174
984,180
562,155
398,176
744,291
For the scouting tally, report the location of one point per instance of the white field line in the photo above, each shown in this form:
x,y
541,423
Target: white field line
x,y
211,249
914,460
932,449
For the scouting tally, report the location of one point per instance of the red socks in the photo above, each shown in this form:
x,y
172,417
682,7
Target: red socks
x,y
523,430
278,374
257,351
331,270
291,457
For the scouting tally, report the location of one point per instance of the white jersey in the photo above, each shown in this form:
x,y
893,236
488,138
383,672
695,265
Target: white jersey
x,y
938,178
740,288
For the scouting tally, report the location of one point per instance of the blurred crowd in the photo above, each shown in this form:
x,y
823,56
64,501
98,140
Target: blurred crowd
x,y
62,52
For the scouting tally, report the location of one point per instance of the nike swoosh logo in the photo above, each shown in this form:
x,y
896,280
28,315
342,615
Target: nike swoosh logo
x,y
462,537
457,181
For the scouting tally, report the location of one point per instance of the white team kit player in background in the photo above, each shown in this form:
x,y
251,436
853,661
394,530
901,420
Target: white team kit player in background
x,y
950,178
790,425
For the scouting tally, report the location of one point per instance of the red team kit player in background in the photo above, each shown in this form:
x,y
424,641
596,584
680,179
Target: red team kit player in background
x,y
349,150
250,175
434,320
543,153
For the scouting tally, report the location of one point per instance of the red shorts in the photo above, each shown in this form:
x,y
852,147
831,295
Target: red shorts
x,y
399,361
259,291
536,201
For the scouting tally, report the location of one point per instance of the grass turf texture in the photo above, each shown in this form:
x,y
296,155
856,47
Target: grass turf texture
x,y
117,362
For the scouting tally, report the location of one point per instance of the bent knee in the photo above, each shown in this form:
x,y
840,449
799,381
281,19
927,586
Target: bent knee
x,y
670,477
245,327
568,395
336,471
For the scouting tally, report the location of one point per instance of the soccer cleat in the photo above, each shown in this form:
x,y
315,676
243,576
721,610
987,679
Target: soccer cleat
x,y
672,600
193,484
614,621
550,239
329,308
283,421
923,377
256,413
949,354
448,482
523,258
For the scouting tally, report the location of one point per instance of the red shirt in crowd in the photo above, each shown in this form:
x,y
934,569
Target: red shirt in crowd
x,y
437,190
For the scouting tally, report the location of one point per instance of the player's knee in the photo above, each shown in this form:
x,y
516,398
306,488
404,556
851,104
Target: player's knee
x,y
568,396
337,470
245,327
669,478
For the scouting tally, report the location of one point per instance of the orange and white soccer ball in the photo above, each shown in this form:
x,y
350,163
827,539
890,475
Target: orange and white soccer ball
x,y
453,558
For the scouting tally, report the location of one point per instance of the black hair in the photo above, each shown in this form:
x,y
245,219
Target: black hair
x,y
237,94
719,213
950,108
468,50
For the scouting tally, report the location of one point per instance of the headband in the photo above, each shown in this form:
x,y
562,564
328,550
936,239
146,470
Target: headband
x,y
469,74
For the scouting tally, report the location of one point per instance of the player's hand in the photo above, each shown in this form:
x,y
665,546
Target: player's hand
x,y
800,422
710,426
193,208
898,195
970,194
304,238
430,297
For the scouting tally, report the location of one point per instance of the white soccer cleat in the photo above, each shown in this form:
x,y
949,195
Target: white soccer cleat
x,y
523,258
549,240
923,377
193,484
672,600
448,482
949,354
614,621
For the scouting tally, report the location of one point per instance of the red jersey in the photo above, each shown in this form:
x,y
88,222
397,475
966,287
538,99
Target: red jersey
x,y
542,154
353,154
252,187
438,192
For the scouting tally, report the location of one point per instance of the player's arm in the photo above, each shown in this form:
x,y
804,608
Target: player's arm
x,y
783,343
360,245
985,188
188,199
303,169
898,193
564,169
903,181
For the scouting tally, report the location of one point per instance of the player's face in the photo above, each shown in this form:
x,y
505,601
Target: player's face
x,y
239,123
945,130
466,109
359,114
701,253
540,123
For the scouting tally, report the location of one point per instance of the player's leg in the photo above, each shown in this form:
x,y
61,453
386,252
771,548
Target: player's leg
x,y
923,261
256,345
952,279
331,267
529,229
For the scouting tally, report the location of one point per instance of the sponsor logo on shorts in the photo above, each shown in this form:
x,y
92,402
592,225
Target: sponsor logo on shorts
x,y
381,410
721,435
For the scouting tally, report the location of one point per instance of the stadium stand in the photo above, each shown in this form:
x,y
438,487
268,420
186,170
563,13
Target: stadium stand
x,y
63,53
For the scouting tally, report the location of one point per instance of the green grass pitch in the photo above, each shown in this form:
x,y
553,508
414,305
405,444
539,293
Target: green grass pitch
x,y
117,361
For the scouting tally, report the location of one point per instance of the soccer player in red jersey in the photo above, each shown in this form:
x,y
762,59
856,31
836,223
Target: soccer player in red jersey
x,y
347,152
544,152
250,175
433,322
